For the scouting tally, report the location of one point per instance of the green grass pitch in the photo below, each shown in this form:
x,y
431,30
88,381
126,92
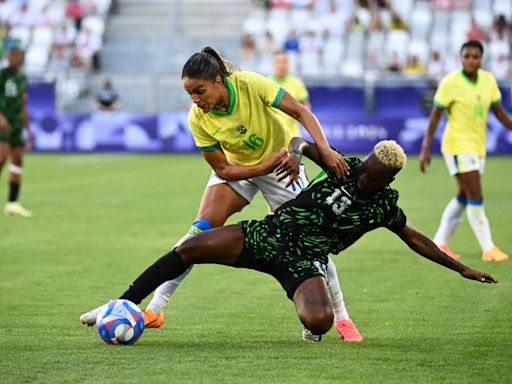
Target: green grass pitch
x,y
100,220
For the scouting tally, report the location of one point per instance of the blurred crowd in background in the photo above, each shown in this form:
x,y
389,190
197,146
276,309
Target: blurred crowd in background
x,y
353,38
57,36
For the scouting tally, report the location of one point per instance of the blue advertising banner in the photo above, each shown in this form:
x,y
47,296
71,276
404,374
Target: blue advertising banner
x,y
168,132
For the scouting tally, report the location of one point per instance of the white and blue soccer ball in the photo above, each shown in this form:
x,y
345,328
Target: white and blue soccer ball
x,y
120,322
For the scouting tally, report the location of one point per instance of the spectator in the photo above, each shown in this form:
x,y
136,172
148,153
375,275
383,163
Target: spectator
x,y
414,67
75,11
500,66
43,18
87,48
266,48
291,43
355,25
281,4
63,37
397,23
311,44
59,62
372,64
475,32
248,52
394,65
435,68
376,24
107,99
21,17
500,29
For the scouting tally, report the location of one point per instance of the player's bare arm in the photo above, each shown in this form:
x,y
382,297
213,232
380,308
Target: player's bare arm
x,y
425,247
300,113
219,163
289,168
26,123
425,155
502,115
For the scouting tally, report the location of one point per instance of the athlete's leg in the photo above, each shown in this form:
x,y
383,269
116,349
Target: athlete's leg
x,y
218,203
218,246
276,194
13,207
450,220
452,213
314,306
4,152
15,171
470,182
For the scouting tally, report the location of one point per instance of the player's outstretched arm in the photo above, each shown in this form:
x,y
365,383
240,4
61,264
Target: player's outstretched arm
x,y
425,247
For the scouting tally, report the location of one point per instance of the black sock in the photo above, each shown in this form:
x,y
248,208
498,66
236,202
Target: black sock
x,y
168,267
14,191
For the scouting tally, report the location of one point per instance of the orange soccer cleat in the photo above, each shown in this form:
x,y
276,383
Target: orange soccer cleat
x,y
449,252
494,254
152,320
348,331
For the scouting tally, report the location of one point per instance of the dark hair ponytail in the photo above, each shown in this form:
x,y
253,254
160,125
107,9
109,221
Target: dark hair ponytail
x,y
207,64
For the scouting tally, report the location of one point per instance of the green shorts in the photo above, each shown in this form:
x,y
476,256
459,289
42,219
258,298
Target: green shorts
x,y
14,138
266,250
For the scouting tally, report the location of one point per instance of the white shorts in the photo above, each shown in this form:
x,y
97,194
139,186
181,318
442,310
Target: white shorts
x,y
464,163
274,192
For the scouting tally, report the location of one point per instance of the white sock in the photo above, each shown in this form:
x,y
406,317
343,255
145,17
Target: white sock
x,y
480,225
340,312
449,221
164,292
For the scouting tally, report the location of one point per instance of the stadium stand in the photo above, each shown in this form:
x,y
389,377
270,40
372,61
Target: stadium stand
x,y
350,33
143,44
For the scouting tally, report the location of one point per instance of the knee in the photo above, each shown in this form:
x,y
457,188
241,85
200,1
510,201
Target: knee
x,y
318,321
186,250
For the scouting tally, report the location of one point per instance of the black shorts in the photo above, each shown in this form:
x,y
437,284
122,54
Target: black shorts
x,y
266,251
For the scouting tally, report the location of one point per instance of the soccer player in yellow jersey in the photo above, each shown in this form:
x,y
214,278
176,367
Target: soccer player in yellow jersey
x,y
466,95
238,126
292,84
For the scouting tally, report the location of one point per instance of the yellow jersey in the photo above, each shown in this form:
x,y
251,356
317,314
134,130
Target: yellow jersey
x,y
295,87
251,129
467,104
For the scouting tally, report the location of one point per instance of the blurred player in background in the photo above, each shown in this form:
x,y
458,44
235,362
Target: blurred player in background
x,y
328,217
467,95
292,84
14,117
237,126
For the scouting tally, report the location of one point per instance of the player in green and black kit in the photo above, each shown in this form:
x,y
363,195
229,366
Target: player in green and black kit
x,y
293,244
13,118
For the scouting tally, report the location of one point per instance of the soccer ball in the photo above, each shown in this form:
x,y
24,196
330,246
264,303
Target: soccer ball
x,y
120,322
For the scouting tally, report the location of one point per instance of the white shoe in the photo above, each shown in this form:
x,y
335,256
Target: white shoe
x,y
89,318
308,336
15,208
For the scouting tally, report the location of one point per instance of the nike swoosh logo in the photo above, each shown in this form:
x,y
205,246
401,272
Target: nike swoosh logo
x,y
216,131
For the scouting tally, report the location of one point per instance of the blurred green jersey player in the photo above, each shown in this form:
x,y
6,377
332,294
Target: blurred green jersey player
x,y
13,119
